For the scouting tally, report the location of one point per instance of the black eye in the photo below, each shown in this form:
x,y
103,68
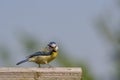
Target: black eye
x,y
51,46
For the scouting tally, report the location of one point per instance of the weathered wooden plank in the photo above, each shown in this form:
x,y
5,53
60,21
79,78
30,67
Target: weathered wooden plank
x,y
40,73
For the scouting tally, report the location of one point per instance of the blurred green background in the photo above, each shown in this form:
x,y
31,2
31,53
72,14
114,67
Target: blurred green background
x,y
86,31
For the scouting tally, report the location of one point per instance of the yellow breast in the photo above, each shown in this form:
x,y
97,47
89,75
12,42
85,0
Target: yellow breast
x,y
54,54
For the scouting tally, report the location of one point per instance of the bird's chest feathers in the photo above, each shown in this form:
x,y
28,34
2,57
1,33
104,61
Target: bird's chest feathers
x,y
54,54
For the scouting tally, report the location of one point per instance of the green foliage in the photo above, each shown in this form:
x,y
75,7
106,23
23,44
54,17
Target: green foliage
x,y
28,42
86,73
5,55
103,28
114,38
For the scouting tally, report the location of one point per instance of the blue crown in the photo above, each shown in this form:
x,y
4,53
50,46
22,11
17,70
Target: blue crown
x,y
51,43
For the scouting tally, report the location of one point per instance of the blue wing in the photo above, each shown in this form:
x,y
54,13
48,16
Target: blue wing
x,y
40,54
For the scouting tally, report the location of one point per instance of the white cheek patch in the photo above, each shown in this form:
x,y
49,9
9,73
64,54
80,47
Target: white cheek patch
x,y
56,48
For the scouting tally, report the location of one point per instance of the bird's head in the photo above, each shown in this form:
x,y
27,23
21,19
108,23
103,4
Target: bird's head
x,y
53,46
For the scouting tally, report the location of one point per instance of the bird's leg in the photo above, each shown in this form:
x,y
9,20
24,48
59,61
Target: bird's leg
x,y
39,66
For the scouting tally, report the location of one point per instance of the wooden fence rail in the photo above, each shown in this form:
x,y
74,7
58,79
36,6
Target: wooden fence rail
x,y
40,73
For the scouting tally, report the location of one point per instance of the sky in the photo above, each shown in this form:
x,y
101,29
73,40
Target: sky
x,y
70,22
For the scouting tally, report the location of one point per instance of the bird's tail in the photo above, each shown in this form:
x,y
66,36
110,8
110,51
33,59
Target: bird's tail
x,y
22,61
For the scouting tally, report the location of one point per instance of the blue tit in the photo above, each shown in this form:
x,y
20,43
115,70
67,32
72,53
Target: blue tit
x,y
43,57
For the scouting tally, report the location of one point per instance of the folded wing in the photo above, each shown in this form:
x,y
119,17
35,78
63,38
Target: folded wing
x,y
39,54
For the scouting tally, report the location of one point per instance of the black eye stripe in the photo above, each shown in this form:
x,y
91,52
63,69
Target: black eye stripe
x,y
51,46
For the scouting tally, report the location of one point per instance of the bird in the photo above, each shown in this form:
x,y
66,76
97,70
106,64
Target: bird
x,y
43,57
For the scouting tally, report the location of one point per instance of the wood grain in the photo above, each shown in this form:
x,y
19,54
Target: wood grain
x,y
40,73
